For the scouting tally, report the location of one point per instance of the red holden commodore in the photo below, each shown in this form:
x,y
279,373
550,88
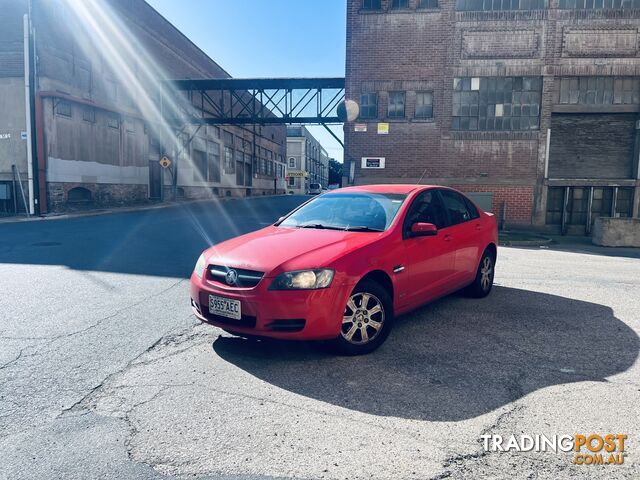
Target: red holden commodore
x,y
341,266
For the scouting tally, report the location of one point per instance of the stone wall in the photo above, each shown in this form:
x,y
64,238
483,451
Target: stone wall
x,y
102,195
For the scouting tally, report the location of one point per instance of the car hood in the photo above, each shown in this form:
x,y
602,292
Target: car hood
x,y
276,249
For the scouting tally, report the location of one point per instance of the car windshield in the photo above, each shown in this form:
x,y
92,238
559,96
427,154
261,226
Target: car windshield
x,y
361,211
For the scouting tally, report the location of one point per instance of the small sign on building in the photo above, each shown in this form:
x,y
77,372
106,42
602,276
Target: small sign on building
x,y
383,128
372,162
165,162
5,136
23,135
297,173
360,127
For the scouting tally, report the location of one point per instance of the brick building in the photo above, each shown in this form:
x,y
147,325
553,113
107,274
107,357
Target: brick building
x,y
307,160
98,73
529,105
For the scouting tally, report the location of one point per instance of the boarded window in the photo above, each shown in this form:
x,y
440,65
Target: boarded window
x,y
496,103
598,4
427,3
487,5
599,90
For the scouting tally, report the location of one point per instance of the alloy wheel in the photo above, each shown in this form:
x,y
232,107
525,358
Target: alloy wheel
x,y
363,318
486,273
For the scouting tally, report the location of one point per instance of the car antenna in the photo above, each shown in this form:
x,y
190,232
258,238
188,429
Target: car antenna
x,y
422,176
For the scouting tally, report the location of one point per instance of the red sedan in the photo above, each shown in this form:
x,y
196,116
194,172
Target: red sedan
x,y
341,266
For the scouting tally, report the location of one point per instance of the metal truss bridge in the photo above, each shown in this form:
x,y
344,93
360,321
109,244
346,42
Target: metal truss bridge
x,y
264,101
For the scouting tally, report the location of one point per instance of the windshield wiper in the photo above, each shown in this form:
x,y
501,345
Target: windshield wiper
x,y
362,228
319,226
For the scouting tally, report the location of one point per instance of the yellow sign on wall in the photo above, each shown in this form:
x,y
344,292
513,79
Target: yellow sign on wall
x,y
383,129
296,173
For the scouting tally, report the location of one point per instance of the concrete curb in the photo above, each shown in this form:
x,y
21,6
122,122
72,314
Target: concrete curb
x,y
110,211
538,242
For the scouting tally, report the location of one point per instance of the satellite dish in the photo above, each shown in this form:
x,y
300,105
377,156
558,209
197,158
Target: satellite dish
x,y
348,111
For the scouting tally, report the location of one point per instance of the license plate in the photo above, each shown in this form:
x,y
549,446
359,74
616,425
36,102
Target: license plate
x,y
225,307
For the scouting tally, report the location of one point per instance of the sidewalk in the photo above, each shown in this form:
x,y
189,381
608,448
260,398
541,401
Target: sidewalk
x,y
123,209
566,243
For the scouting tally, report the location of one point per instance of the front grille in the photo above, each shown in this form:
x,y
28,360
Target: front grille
x,y
243,278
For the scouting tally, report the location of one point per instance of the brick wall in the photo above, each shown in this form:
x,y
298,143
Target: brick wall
x,y
424,50
518,201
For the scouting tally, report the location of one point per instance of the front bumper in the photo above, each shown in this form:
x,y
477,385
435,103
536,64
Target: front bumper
x,y
290,314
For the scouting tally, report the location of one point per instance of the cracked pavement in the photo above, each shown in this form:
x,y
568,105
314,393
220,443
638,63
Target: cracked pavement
x,y
104,373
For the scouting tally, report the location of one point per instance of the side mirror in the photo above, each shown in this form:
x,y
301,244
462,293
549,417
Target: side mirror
x,y
420,229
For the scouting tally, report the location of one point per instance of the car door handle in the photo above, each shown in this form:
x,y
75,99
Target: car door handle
x,y
478,227
448,238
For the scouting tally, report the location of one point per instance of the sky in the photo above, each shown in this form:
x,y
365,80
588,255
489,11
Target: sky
x,y
268,38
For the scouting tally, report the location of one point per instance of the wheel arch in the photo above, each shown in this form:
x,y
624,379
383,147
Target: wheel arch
x,y
382,278
493,249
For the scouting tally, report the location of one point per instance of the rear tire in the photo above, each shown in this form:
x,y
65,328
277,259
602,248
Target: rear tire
x,y
483,283
366,321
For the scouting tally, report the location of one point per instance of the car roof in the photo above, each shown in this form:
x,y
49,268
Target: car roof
x,y
387,188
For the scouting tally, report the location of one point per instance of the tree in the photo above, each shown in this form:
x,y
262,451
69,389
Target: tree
x,y
335,172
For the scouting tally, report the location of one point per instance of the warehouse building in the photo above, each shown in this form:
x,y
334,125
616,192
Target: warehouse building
x,y
102,118
307,161
530,106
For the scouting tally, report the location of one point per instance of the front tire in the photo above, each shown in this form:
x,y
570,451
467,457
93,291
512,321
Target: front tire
x,y
366,321
483,283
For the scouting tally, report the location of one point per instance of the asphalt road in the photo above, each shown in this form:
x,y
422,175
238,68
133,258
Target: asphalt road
x,y
104,372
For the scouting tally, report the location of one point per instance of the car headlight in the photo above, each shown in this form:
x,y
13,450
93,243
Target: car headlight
x,y
303,280
200,265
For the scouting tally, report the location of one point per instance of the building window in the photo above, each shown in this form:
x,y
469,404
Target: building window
x,y
199,166
292,181
113,120
400,4
424,105
371,4
228,138
214,162
599,90
229,166
396,105
89,114
598,4
496,103
427,3
292,162
63,108
369,105
487,5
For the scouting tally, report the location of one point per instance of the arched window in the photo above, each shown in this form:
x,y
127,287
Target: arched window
x,y
79,195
